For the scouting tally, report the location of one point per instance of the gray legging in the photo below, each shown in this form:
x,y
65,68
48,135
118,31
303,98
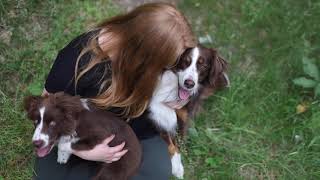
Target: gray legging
x,y
156,164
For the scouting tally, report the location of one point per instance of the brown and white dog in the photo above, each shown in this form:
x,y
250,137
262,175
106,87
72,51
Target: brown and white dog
x,y
68,122
180,92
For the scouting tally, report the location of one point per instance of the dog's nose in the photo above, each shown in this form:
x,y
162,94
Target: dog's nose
x,y
189,83
38,143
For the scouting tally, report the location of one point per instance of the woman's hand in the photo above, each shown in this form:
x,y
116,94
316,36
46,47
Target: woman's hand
x,y
103,152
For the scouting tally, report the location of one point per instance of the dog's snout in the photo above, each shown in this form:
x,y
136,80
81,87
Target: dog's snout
x,y
189,83
38,143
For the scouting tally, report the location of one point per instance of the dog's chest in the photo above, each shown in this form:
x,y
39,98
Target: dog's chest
x,y
167,88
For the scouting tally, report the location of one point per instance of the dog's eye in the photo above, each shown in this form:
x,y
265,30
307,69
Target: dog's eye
x,y
200,60
187,61
52,123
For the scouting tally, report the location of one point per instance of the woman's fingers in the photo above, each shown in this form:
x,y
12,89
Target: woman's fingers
x,y
108,140
120,154
115,159
117,148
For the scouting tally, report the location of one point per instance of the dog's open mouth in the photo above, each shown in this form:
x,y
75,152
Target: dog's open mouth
x,y
183,94
43,151
184,99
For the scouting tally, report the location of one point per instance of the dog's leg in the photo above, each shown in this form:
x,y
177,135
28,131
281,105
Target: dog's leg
x,y
63,156
164,117
64,149
177,166
176,162
183,121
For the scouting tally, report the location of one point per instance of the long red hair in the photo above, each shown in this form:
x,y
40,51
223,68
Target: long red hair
x,y
140,44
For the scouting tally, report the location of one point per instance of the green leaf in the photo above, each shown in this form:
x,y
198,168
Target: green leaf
x,y
310,69
304,82
317,90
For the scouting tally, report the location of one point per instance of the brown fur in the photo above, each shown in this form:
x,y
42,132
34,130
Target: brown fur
x,y
211,79
91,127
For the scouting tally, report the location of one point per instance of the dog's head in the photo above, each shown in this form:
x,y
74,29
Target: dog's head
x,y
53,116
200,67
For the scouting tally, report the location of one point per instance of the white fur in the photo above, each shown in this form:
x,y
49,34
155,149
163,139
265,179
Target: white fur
x,y
65,149
227,79
191,71
38,135
84,103
177,167
166,91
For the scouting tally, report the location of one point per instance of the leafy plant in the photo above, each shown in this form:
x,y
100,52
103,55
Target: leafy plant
x,y
312,80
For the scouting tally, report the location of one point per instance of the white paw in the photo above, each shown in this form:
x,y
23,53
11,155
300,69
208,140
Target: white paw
x,y
64,149
63,157
177,167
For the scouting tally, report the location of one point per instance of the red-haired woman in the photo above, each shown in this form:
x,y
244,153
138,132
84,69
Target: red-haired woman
x,y
117,66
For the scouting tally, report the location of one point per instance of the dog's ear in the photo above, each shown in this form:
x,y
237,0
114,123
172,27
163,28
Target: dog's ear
x,y
218,77
69,105
31,104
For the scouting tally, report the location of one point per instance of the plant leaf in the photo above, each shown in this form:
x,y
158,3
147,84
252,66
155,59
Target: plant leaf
x,y
311,69
304,82
301,108
317,90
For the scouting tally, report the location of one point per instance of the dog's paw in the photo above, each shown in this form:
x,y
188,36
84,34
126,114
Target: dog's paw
x,y
177,167
63,157
64,146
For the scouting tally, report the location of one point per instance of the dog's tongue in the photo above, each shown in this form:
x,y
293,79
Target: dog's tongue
x,y
183,94
43,151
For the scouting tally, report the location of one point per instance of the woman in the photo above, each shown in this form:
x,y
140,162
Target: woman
x,y
117,66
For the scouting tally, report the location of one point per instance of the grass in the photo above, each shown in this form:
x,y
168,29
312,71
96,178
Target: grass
x,y
39,29
249,131
252,130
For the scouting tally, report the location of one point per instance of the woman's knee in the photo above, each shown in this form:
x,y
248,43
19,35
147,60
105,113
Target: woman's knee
x,y
156,162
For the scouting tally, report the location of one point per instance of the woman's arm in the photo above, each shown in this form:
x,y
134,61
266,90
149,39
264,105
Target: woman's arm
x,y
103,152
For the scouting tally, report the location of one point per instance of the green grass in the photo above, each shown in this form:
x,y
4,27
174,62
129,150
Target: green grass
x,y
252,130
249,131
39,29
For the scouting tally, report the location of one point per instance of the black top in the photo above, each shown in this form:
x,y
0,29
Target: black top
x,y
61,78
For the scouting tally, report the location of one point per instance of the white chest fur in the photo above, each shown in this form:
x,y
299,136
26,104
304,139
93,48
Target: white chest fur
x,y
166,91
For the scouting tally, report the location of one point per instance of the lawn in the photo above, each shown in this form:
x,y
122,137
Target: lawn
x,y
252,130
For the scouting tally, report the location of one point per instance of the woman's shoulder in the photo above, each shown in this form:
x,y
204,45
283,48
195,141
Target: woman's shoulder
x,y
62,74
79,42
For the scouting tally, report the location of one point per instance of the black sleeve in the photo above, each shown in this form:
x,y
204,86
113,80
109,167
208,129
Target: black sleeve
x,y
62,73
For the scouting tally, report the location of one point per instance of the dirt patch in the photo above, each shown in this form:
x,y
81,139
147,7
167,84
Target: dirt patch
x,y
5,35
130,4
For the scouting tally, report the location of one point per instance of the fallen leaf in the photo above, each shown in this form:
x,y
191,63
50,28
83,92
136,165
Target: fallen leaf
x,y
301,108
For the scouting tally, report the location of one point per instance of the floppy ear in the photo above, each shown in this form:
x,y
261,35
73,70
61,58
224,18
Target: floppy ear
x,y
31,103
218,77
69,105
